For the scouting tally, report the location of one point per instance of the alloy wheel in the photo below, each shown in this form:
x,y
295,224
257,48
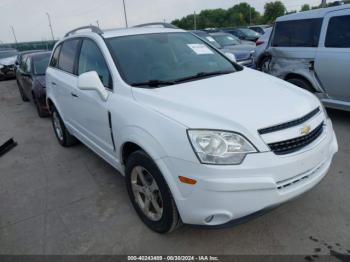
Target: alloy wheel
x,y
57,125
147,194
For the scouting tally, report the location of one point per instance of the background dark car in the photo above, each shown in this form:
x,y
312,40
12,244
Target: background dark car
x,y
244,54
21,55
31,80
259,28
7,63
243,33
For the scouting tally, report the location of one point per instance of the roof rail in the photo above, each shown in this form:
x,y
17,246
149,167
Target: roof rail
x,y
164,25
93,29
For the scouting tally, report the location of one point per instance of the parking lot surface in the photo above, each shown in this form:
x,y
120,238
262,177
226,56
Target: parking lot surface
x,y
55,200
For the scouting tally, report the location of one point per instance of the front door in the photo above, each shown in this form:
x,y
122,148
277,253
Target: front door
x,y
90,112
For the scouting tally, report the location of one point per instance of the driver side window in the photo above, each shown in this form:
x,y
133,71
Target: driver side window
x,y
91,59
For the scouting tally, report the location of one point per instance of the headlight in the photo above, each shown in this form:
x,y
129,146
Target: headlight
x,y
220,147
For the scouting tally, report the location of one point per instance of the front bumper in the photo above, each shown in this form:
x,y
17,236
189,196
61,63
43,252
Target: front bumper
x,y
248,63
8,71
263,181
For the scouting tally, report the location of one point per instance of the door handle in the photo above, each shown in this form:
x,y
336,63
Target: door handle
x,y
53,83
74,95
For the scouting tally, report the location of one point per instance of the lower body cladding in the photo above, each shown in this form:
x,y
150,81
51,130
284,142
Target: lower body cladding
x,y
224,194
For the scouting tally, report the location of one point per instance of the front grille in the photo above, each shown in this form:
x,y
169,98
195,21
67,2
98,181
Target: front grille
x,y
295,144
293,123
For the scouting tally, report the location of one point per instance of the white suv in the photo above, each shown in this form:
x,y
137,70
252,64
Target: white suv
x,y
200,139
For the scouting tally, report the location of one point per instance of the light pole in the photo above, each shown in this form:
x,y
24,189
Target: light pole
x,y
50,25
126,19
195,20
14,34
250,15
98,23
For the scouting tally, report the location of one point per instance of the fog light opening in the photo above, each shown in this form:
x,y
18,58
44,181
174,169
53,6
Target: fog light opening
x,y
217,219
209,219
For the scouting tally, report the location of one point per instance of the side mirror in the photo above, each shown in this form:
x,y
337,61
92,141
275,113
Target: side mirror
x,y
231,56
91,81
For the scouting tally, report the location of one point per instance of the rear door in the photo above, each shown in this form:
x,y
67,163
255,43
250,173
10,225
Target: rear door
x,y
294,46
332,63
64,79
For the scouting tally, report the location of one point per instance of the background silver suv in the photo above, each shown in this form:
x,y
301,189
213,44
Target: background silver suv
x,y
312,50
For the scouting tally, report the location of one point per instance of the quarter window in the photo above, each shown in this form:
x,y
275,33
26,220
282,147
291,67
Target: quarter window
x,y
297,33
91,59
67,55
338,33
54,59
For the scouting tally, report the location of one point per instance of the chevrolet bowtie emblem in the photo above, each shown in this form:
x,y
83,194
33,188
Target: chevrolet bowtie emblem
x,y
305,130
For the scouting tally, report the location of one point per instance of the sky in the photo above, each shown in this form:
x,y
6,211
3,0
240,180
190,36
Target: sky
x,y
30,21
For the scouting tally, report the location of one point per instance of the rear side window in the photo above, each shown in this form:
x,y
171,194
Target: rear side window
x,y
338,33
54,59
298,33
91,59
68,55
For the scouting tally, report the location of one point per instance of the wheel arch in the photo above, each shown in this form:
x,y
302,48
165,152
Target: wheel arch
x,y
301,77
135,138
50,104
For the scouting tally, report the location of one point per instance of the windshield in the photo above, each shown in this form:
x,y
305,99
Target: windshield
x,y
208,38
249,32
226,40
165,57
40,64
7,54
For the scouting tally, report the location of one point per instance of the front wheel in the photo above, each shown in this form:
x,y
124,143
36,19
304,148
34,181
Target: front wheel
x,y
39,108
150,194
61,132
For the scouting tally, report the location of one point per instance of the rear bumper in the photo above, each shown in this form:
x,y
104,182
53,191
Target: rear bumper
x,y
224,194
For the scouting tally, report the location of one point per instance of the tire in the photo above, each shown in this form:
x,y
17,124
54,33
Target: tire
x,y
61,132
39,109
139,164
301,83
21,92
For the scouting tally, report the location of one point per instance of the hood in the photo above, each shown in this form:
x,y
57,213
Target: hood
x,y
244,102
8,61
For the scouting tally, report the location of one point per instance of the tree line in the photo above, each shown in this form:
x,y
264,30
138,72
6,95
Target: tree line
x,y
239,15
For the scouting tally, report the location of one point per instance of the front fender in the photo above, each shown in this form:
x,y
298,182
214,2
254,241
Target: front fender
x,y
153,148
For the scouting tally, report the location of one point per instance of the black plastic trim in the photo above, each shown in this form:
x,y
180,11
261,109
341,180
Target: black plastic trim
x,y
293,123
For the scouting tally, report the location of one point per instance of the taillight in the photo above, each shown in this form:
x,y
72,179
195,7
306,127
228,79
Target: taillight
x,y
259,43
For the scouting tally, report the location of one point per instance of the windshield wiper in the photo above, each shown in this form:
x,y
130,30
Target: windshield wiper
x,y
202,75
154,83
